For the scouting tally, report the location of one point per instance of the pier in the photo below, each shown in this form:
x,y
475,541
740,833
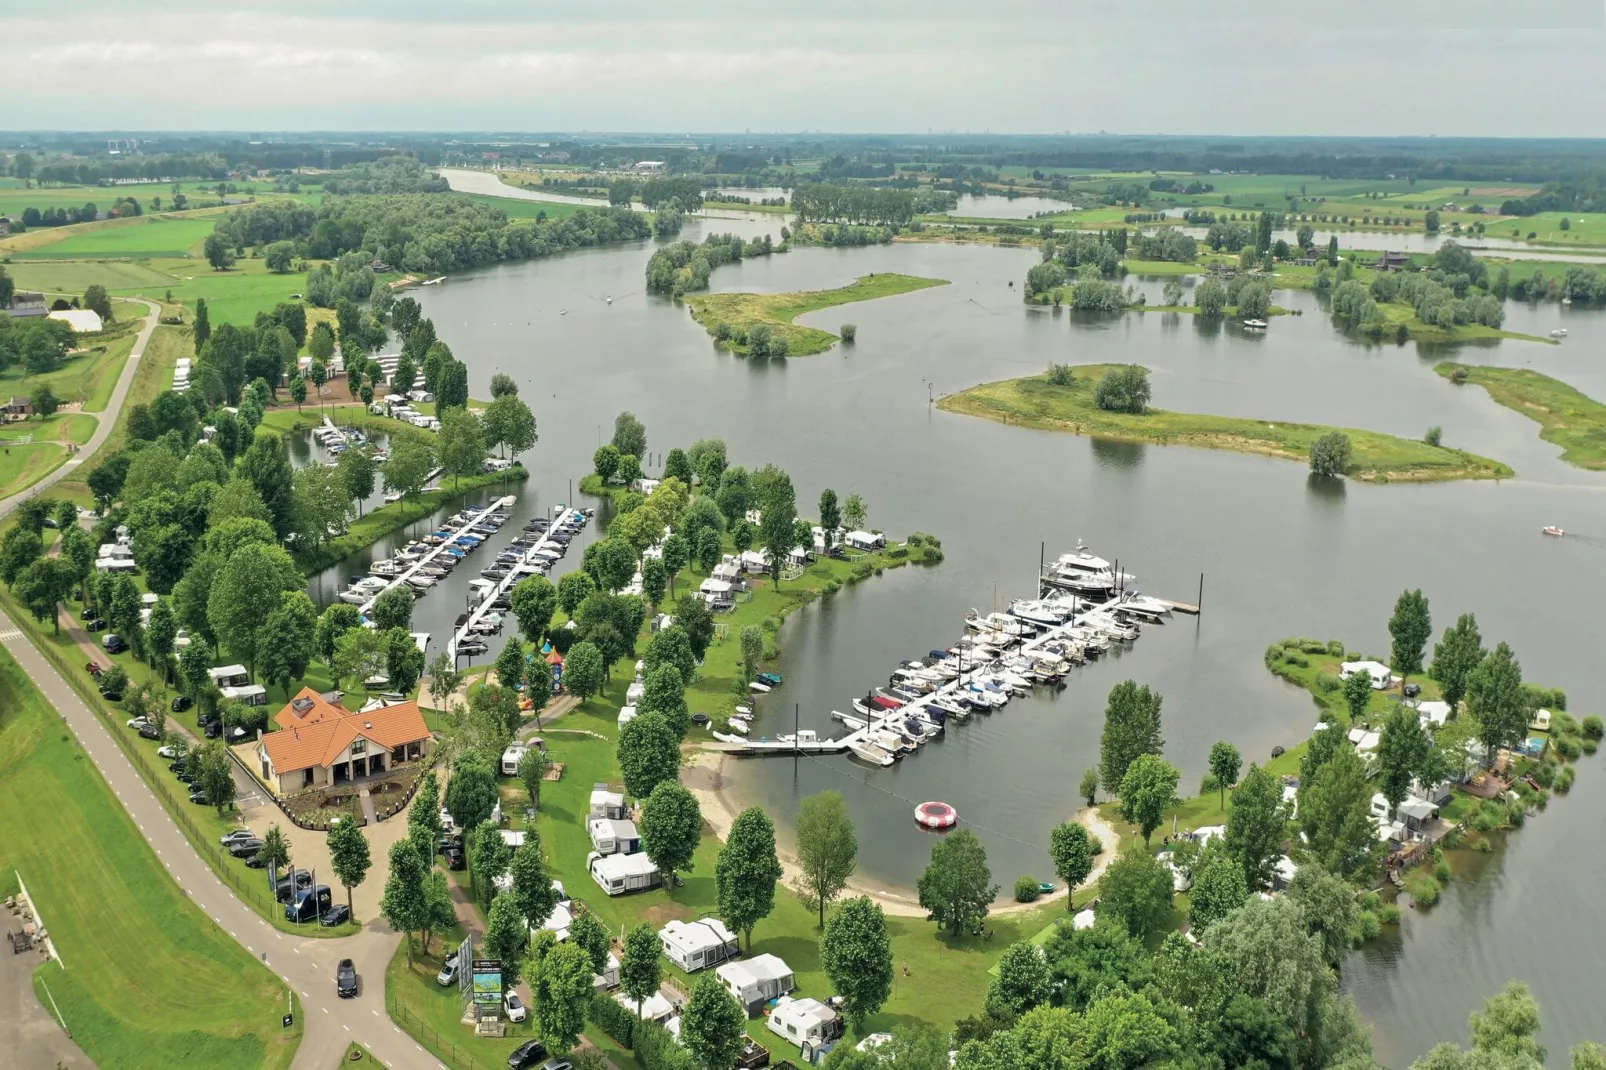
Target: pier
x,y
525,567
496,506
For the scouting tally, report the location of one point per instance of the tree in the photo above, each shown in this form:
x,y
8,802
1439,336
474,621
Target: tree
x,y
1136,889
827,848
1335,812
1454,658
1021,984
1217,891
1401,753
712,1024
202,328
676,556
267,466
275,852
654,580
1330,454
1131,728
1089,787
1085,963
1266,952
605,462
533,599
532,770
424,815
43,401
752,639
287,640
746,871
664,693
471,793
1411,627
408,469
1148,790
671,646
830,514
1330,908
629,435
358,472
678,466
42,585
671,826
506,938
462,445
640,968
489,857
1357,691
348,855
853,512
440,912
1071,849
1225,761
1256,826
574,588
393,609
956,887
19,549
252,580
160,635
582,671
1495,698
1124,388
510,663
216,775
335,621
856,952
217,252
777,503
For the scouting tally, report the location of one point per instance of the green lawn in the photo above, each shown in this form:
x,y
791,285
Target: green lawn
x,y
21,466
150,980
1035,402
14,198
1584,228
779,310
135,239
90,373
1571,420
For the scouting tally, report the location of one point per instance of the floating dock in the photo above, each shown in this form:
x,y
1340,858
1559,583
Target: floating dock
x,y
525,567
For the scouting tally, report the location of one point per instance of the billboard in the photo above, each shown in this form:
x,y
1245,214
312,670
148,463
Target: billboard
x,y
488,982
465,956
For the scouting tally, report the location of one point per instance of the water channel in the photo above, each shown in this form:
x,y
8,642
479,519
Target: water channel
x,y
1279,554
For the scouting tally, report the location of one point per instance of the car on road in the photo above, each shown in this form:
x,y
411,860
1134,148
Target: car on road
x,y
454,858
182,703
114,643
229,838
514,1006
149,731
528,1054
245,848
346,979
448,974
338,914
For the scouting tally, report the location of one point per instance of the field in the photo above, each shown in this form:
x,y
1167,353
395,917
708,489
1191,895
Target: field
x,y
1571,420
14,198
233,296
138,238
1034,402
1584,228
151,981
89,374
744,310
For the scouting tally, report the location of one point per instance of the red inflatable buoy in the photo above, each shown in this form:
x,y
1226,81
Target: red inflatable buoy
x,y
936,815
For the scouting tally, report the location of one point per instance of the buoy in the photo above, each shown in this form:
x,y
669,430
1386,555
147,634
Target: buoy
x,y
936,815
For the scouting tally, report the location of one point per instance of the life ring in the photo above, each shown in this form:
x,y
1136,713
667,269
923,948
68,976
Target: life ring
x,y
936,815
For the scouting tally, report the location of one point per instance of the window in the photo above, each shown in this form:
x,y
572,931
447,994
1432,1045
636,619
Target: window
x,y
359,746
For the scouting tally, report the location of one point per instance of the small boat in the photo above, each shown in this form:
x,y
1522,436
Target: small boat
x,y
771,678
421,581
738,726
1559,332
870,753
762,689
1255,325
1044,887
1551,529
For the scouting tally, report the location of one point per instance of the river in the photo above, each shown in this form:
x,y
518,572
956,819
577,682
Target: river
x,y
1279,554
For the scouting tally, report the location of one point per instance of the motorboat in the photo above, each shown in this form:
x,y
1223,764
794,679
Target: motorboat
x,y
853,723
1255,325
1046,614
1551,529
771,678
739,726
469,648
758,688
421,581
1559,332
868,752
386,568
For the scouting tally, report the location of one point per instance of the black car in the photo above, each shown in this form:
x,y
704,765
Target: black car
x,y
284,890
257,861
245,848
96,624
454,858
345,979
335,915
112,696
178,765
149,731
114,644
528,1054
86,614
214,729
182,703
197,796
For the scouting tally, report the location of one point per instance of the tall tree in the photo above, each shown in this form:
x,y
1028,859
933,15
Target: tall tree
x,y
629,435
649,754
532,770
1335,812
348,855
1148,790
267,466
853,511
671,826
1495,697
471,793
746,872
358,472
489,857
1401,752
712,1024
1455,656
1217,891
462,444
506,939
1021,984
1071,849
583,671
1256,826
641,967
1412,627
856,952
247,588
830,514
563,981
827,848
1357,691
403,902
1131,728
1330,908
777,503
956,889
1225,761
1136,890
534,599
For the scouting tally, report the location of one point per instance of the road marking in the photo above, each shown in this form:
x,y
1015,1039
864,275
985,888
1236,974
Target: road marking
x,y
326,1010
347,1028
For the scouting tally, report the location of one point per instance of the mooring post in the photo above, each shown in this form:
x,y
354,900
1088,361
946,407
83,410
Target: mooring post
x,y
1199,605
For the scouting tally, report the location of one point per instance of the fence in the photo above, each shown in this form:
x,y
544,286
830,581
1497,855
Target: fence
x,y
450,1050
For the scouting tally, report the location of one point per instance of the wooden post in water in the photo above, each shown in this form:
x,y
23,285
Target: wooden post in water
x,y
1042,549
1199,605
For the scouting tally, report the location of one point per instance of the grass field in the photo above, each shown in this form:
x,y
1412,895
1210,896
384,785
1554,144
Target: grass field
x,y
138,238
89,374
14,199
743,310
233,296
150,981
1584,228
1035,402
1571,420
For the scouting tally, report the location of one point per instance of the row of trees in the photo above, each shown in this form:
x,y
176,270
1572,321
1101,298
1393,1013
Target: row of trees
x,y
819,202
684,266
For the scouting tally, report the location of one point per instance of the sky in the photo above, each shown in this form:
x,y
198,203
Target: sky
x,y
1361,67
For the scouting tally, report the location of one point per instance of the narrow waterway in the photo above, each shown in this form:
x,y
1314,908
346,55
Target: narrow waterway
x,y
1279,554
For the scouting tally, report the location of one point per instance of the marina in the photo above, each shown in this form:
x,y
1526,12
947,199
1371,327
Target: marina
x,y
421,564
532,554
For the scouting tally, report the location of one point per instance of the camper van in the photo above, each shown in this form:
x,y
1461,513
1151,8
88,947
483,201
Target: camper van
x,y
619,874
805,1021
696,945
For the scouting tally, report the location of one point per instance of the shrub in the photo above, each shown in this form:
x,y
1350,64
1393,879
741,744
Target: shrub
x,y
1434,435
1312,646
1564,781
849,331
1208,785
1567,746
1335,648
1026,889
897,553
1594,728
1516,814
1482,845
1488,818
1590,746
1124,388
613,1019
1369,925
1328,682
1423,888
1389,914
1298,661
1564,724
1545,774
1060,375
1441,871
1330,454
1369,901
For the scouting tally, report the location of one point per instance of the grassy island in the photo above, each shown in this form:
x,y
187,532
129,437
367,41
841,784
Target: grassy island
x,y
740,312
1035,402
1573,421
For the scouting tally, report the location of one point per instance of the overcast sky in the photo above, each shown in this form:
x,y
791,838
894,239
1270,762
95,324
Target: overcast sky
x,y
1467,67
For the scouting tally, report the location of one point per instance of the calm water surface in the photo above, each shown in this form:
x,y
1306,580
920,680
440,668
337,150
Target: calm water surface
x,y
1279,554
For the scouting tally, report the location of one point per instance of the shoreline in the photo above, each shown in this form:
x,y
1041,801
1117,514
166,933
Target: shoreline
x,y
703,774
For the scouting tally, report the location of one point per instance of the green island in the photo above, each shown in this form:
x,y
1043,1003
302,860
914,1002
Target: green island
x,y
1566,417
735,315
1034,401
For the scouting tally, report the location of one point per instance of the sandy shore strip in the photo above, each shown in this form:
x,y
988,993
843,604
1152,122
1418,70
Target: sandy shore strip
x,y
703,774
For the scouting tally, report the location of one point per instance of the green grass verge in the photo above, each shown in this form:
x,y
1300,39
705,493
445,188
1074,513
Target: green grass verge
x,y
777,311
90,372
150,980
1035,402
133,239
1567,418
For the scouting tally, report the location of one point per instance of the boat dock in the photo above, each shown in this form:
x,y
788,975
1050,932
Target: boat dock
x,y
525,567
497,506
780,746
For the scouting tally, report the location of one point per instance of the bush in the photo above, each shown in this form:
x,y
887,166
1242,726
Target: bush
x,y
1482,845
612,1018
114,681
1060,374
1590,746
1369,925
1335,648
1328,682
1564,724
1567,746
1594,728
1423,888
1026,890
1208,785
1564,781
1388,914
1312,646
1330,455
1434,436
1545,774
1488,818
1516,814
1369,901
1298,661
1441,871
849,331
1123,389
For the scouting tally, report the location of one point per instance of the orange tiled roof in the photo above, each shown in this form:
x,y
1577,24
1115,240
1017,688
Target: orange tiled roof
x,y
308,707
318,741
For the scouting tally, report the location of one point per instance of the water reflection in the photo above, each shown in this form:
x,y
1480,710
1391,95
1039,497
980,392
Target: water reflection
x,y
1116,453
1326,490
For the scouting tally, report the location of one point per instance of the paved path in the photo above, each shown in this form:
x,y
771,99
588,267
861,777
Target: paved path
x,y
28,1033
103,420
307,965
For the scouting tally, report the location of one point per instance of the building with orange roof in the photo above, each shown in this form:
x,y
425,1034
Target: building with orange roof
x,y
320,743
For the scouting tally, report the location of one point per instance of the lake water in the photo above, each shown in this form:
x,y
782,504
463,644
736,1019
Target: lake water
x,y
1280,555
1000,206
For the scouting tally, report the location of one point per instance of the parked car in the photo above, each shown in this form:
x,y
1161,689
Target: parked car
x,y
197,796
149,731
448,974
182,772
245,848
257,861
137,722
557,1064
514,1006
455,859
114,643
284,889
86,614
182,703
528,1054
94,668
345,979
214,729
308,904
236,835
167,750
338,914
96,625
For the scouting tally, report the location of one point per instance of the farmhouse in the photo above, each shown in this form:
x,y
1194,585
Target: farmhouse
x,y
320,742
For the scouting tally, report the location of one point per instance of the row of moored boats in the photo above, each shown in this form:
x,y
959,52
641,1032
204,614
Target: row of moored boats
x,y
538,547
